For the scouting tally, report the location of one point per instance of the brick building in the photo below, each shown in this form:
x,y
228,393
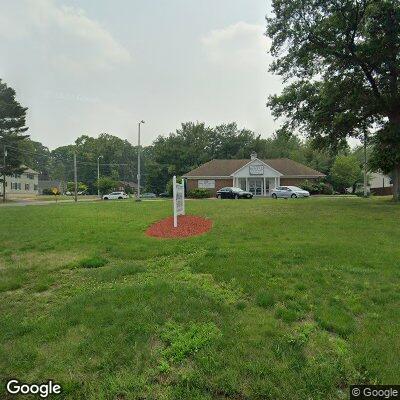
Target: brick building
x,y
255,175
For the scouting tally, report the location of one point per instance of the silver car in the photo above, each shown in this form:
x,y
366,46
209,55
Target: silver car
x,y
289,191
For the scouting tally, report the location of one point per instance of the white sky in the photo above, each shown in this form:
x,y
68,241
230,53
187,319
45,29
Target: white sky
x,y
92,66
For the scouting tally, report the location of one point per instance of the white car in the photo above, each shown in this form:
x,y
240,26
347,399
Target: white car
x,y
115,196
289,191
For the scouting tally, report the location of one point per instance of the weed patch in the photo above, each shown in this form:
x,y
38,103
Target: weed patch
x,y
92,262
185,340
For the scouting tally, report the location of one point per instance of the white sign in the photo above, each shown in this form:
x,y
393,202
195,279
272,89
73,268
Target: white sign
x,y
256,169
206,184
179,199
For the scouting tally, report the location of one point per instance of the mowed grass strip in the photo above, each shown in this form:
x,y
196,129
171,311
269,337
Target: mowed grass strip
x,y
281,299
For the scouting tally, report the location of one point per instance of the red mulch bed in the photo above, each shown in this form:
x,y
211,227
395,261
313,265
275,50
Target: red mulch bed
x,y
188,225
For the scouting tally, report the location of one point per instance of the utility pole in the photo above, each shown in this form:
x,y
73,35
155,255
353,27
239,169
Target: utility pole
x,y
138,161
98,175
4,173
365,164
75,180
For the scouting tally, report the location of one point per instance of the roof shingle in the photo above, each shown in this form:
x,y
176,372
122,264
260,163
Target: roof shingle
x,y
225,168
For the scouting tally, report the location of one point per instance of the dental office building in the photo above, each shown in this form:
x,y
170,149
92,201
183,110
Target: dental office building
x,y
255,175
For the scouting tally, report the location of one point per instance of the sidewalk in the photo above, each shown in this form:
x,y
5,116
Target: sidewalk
x,y
23,203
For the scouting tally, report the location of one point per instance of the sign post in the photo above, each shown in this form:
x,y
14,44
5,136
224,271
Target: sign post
x,y
55,192
179,199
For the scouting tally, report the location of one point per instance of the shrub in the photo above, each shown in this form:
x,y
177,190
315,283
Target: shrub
x,y
317,187
106,184
360,193
199,193
47,191
307,185
326,188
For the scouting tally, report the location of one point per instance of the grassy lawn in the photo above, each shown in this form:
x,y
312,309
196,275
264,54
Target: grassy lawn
x,y
281,300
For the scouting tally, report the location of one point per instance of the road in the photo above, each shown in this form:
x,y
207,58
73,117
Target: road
x,y
23,203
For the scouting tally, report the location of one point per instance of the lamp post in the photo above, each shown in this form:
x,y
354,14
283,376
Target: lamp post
x,y
98,175
138,162
365,165
4,173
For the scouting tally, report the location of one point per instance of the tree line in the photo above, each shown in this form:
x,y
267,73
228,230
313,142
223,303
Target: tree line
x,y
191,145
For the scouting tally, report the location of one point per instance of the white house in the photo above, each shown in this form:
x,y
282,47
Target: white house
x,y
21,184
378,180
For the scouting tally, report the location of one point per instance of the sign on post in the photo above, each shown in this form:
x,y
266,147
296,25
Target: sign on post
x,y
179,199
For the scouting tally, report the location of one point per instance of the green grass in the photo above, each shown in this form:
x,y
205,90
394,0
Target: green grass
x,y
281,300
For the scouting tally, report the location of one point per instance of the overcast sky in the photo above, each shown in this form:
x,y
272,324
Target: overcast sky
x,y
92,66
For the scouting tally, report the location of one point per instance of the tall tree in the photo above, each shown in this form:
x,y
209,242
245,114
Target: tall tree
x,y
36,156
345,172
118,160
12,128
340,60
193,144
231,142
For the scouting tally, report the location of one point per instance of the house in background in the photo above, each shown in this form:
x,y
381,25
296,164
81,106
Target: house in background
x,y
128,187
20,185
380,184
255,175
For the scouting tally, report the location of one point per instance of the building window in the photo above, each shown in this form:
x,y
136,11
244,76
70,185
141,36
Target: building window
x,y
35,187
30,176
27,186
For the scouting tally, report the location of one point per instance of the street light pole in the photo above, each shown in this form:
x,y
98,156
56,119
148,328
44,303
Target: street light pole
x,y
138,161
98,175
75,180
4,173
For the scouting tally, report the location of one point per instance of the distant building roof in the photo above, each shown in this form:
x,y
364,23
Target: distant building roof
x,y
29,170
130,184
225,168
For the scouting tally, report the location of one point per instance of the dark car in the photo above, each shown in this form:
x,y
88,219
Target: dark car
x,y
233,193
164,194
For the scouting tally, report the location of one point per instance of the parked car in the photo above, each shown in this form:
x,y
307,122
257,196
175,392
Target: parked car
x,y
148,196
164,194
289,191
115,196
233,193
